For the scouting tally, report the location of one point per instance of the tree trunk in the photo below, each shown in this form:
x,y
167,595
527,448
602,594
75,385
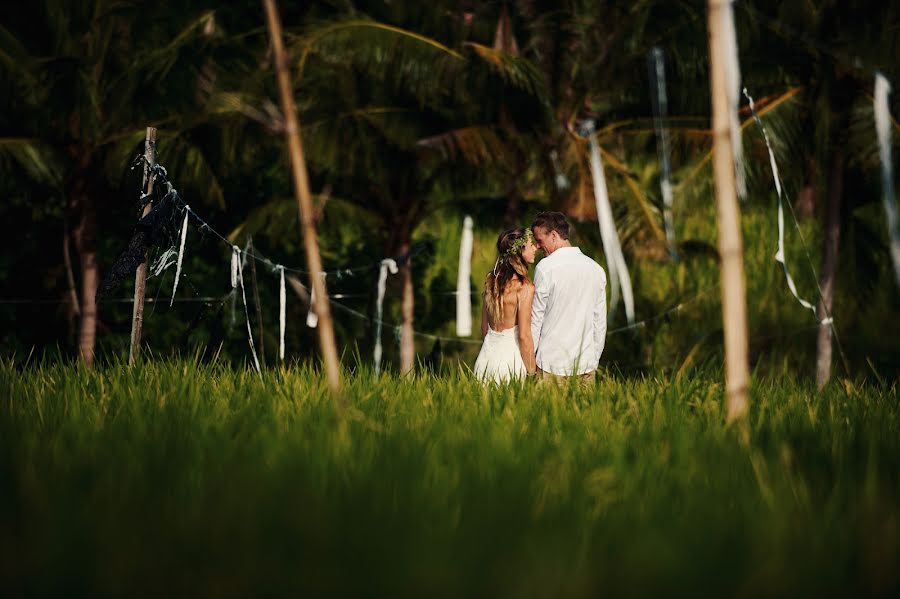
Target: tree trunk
x,y
399,245
73,310
407,308
734,300
85,238
829,266
513,208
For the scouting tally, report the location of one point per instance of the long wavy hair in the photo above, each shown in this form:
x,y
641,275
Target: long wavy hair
x,y
509,265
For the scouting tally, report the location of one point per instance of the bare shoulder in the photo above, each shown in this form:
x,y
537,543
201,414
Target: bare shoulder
x,y
526,288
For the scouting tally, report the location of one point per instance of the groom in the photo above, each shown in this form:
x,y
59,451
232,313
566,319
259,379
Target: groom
x,y
568,315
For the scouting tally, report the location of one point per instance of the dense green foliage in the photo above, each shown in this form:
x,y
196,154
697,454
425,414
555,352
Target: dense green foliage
x,y
413,115
181,478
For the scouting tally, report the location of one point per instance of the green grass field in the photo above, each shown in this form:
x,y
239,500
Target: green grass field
x,y
182,478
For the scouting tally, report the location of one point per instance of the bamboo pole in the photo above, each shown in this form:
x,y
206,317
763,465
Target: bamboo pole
x,y
304,201
140,277
734,302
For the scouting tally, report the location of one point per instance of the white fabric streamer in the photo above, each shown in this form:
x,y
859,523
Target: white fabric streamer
x,y
883,129
612,247
163,262
729,51
235,260
463,281
660,112
184,227
235,265
281,314
237,272
386,265
562,182
779,255
312,317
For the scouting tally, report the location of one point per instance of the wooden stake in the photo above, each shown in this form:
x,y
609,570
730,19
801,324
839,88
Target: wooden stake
x,y
734,301
140,277
304,201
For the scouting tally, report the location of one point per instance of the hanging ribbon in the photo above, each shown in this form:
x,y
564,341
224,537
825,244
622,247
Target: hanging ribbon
x,y
612,247
281,313
779,255
463,281
163,262
235,266
657,67
562,182
386,265
312,317
184,227
883,129
237,278
729,51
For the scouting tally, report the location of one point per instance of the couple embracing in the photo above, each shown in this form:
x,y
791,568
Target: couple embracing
x,y
554,327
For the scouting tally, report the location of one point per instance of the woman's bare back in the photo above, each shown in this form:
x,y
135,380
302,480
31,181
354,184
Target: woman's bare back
x,y
510,303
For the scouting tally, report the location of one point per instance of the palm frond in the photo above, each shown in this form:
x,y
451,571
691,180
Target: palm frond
x,y
15,58
477,145
189,164
157,63
515,70
764,107
264,112
317,38
33,157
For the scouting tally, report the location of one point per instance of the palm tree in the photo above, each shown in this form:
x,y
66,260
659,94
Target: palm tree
x,y
90,76
393,115
836,123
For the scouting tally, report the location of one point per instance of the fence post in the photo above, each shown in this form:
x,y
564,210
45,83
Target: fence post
x,y
140,277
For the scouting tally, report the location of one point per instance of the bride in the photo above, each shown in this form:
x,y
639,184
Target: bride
x,y
508,349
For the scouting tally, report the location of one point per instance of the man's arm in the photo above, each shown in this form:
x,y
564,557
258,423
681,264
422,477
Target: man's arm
x,y
539,303
600,316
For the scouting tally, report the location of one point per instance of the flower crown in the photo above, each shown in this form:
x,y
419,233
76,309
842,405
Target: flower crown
x,y
518,244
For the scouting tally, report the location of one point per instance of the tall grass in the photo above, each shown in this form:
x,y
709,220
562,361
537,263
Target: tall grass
x,y
177,477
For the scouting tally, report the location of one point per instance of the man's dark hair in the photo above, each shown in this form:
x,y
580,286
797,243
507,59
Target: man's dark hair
x,y
552,221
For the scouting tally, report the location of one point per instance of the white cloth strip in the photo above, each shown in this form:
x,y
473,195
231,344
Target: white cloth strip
x,y
163,262
386,265
281,314
729,50
660,113
235,250
562,182
883,129
612,247
463,281
779,255
235,261
312,317
184,227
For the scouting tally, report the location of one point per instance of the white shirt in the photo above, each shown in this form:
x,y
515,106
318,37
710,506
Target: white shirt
x,y
568,316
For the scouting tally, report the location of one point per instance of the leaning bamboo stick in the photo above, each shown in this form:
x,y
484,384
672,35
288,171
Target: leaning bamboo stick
x,y
734,301
304,200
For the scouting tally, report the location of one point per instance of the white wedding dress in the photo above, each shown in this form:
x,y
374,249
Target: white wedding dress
x,y
500,359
